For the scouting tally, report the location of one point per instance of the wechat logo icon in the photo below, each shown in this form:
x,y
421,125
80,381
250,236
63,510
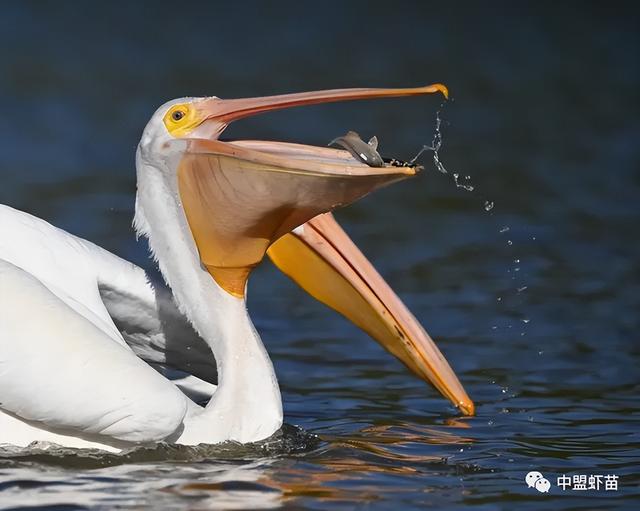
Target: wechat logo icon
x,y
536,480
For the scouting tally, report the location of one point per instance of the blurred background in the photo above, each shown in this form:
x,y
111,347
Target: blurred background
x,y
530,283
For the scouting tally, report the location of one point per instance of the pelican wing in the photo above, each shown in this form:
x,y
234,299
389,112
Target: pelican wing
x,y
64,366
157,332
114,294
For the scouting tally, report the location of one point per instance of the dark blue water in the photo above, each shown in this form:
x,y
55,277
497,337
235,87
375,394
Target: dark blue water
x,y
535,302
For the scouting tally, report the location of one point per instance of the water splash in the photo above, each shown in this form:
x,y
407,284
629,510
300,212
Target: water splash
x,y
488,205
436,144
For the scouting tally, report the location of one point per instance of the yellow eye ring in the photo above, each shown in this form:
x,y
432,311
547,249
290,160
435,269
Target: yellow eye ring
x,y
180,120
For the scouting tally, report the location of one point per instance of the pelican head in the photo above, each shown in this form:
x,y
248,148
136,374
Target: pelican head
x,y
243,199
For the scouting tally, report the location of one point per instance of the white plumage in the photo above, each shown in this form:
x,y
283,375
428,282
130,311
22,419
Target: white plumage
x,y
66,373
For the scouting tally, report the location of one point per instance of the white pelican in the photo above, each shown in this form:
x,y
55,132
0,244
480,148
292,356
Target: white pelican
x,y
88,345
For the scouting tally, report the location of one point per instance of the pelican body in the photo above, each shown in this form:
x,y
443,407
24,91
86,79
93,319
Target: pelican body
x,y
93,355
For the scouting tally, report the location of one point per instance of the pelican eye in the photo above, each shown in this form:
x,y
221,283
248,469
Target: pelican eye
x,y
180,120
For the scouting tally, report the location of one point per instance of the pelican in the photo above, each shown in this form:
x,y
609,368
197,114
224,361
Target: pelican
x,y
92,355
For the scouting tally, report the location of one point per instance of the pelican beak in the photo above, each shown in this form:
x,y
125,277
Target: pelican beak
x,y
220,112
241,196
323,260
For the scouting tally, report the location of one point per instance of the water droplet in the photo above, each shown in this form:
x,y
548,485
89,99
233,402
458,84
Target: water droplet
x,y
517,261
509,242
438,163
541,352
504,229
456,179
526,320
488,205
436,143
521,289
499,299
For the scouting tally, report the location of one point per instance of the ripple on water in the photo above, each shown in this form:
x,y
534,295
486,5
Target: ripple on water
x,y
289,440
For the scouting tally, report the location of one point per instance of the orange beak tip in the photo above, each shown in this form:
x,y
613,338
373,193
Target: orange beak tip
x,y
443,88
467,408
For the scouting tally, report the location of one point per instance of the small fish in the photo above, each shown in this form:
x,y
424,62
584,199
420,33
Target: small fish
x,y
366,152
